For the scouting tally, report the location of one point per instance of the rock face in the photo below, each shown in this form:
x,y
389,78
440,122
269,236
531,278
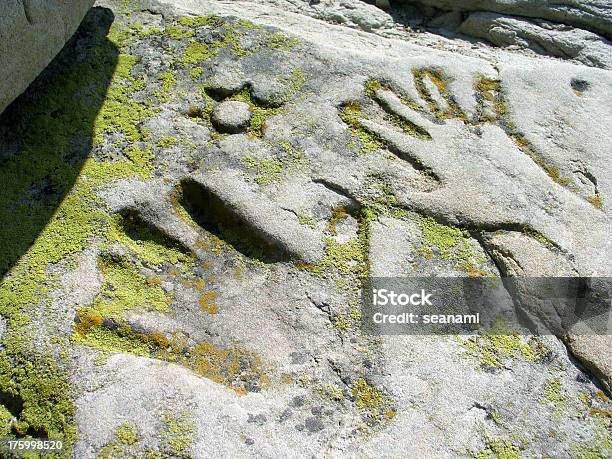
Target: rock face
x,y
595,15
32,32
194,193
543,37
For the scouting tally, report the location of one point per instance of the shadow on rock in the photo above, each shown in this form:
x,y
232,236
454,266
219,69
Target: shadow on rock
x,y
46,134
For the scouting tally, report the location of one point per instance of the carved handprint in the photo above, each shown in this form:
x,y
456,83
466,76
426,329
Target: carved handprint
x,y
486,180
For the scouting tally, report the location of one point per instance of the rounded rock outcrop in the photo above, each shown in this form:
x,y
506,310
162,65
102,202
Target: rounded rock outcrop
x,y
231,116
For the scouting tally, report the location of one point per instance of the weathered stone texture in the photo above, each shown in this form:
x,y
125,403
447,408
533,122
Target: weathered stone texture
x,y
32,32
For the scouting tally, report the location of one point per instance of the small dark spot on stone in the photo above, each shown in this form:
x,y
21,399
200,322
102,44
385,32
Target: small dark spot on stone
x,y
259,419
579,85
549,357
313,425
297,358
194,112
285,415
299,427
252,386
317,410
110,324
478,131
249,441
298,400
582,378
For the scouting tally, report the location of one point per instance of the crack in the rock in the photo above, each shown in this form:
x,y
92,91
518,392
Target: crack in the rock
x,y
27,10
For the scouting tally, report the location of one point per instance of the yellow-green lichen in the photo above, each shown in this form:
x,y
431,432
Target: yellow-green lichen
x,y
307,220
348,257
493,350
178,434
366,396
372,402
596,201
338,214
452,244
599,447
268,170
491,103
345,258
98,336
197,52
195,112
230,37
372,87
168,81
334,392
538,237
409,127
178,33
196,73
148,245
498,448
281,41
6,418
494,107
125,289
200,21
166,142
259,113
40,231
119,113
351,114
553,391
207,302
552,171
126,435
341,323
40,386
233,367
381,198
437,79
294,84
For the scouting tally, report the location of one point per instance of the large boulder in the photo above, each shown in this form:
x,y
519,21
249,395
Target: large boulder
x,y
544,37
595,15
32,32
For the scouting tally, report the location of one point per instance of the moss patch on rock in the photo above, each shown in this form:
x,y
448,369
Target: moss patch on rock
x,y
452,244
440,83
351,113
498,448
493,350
